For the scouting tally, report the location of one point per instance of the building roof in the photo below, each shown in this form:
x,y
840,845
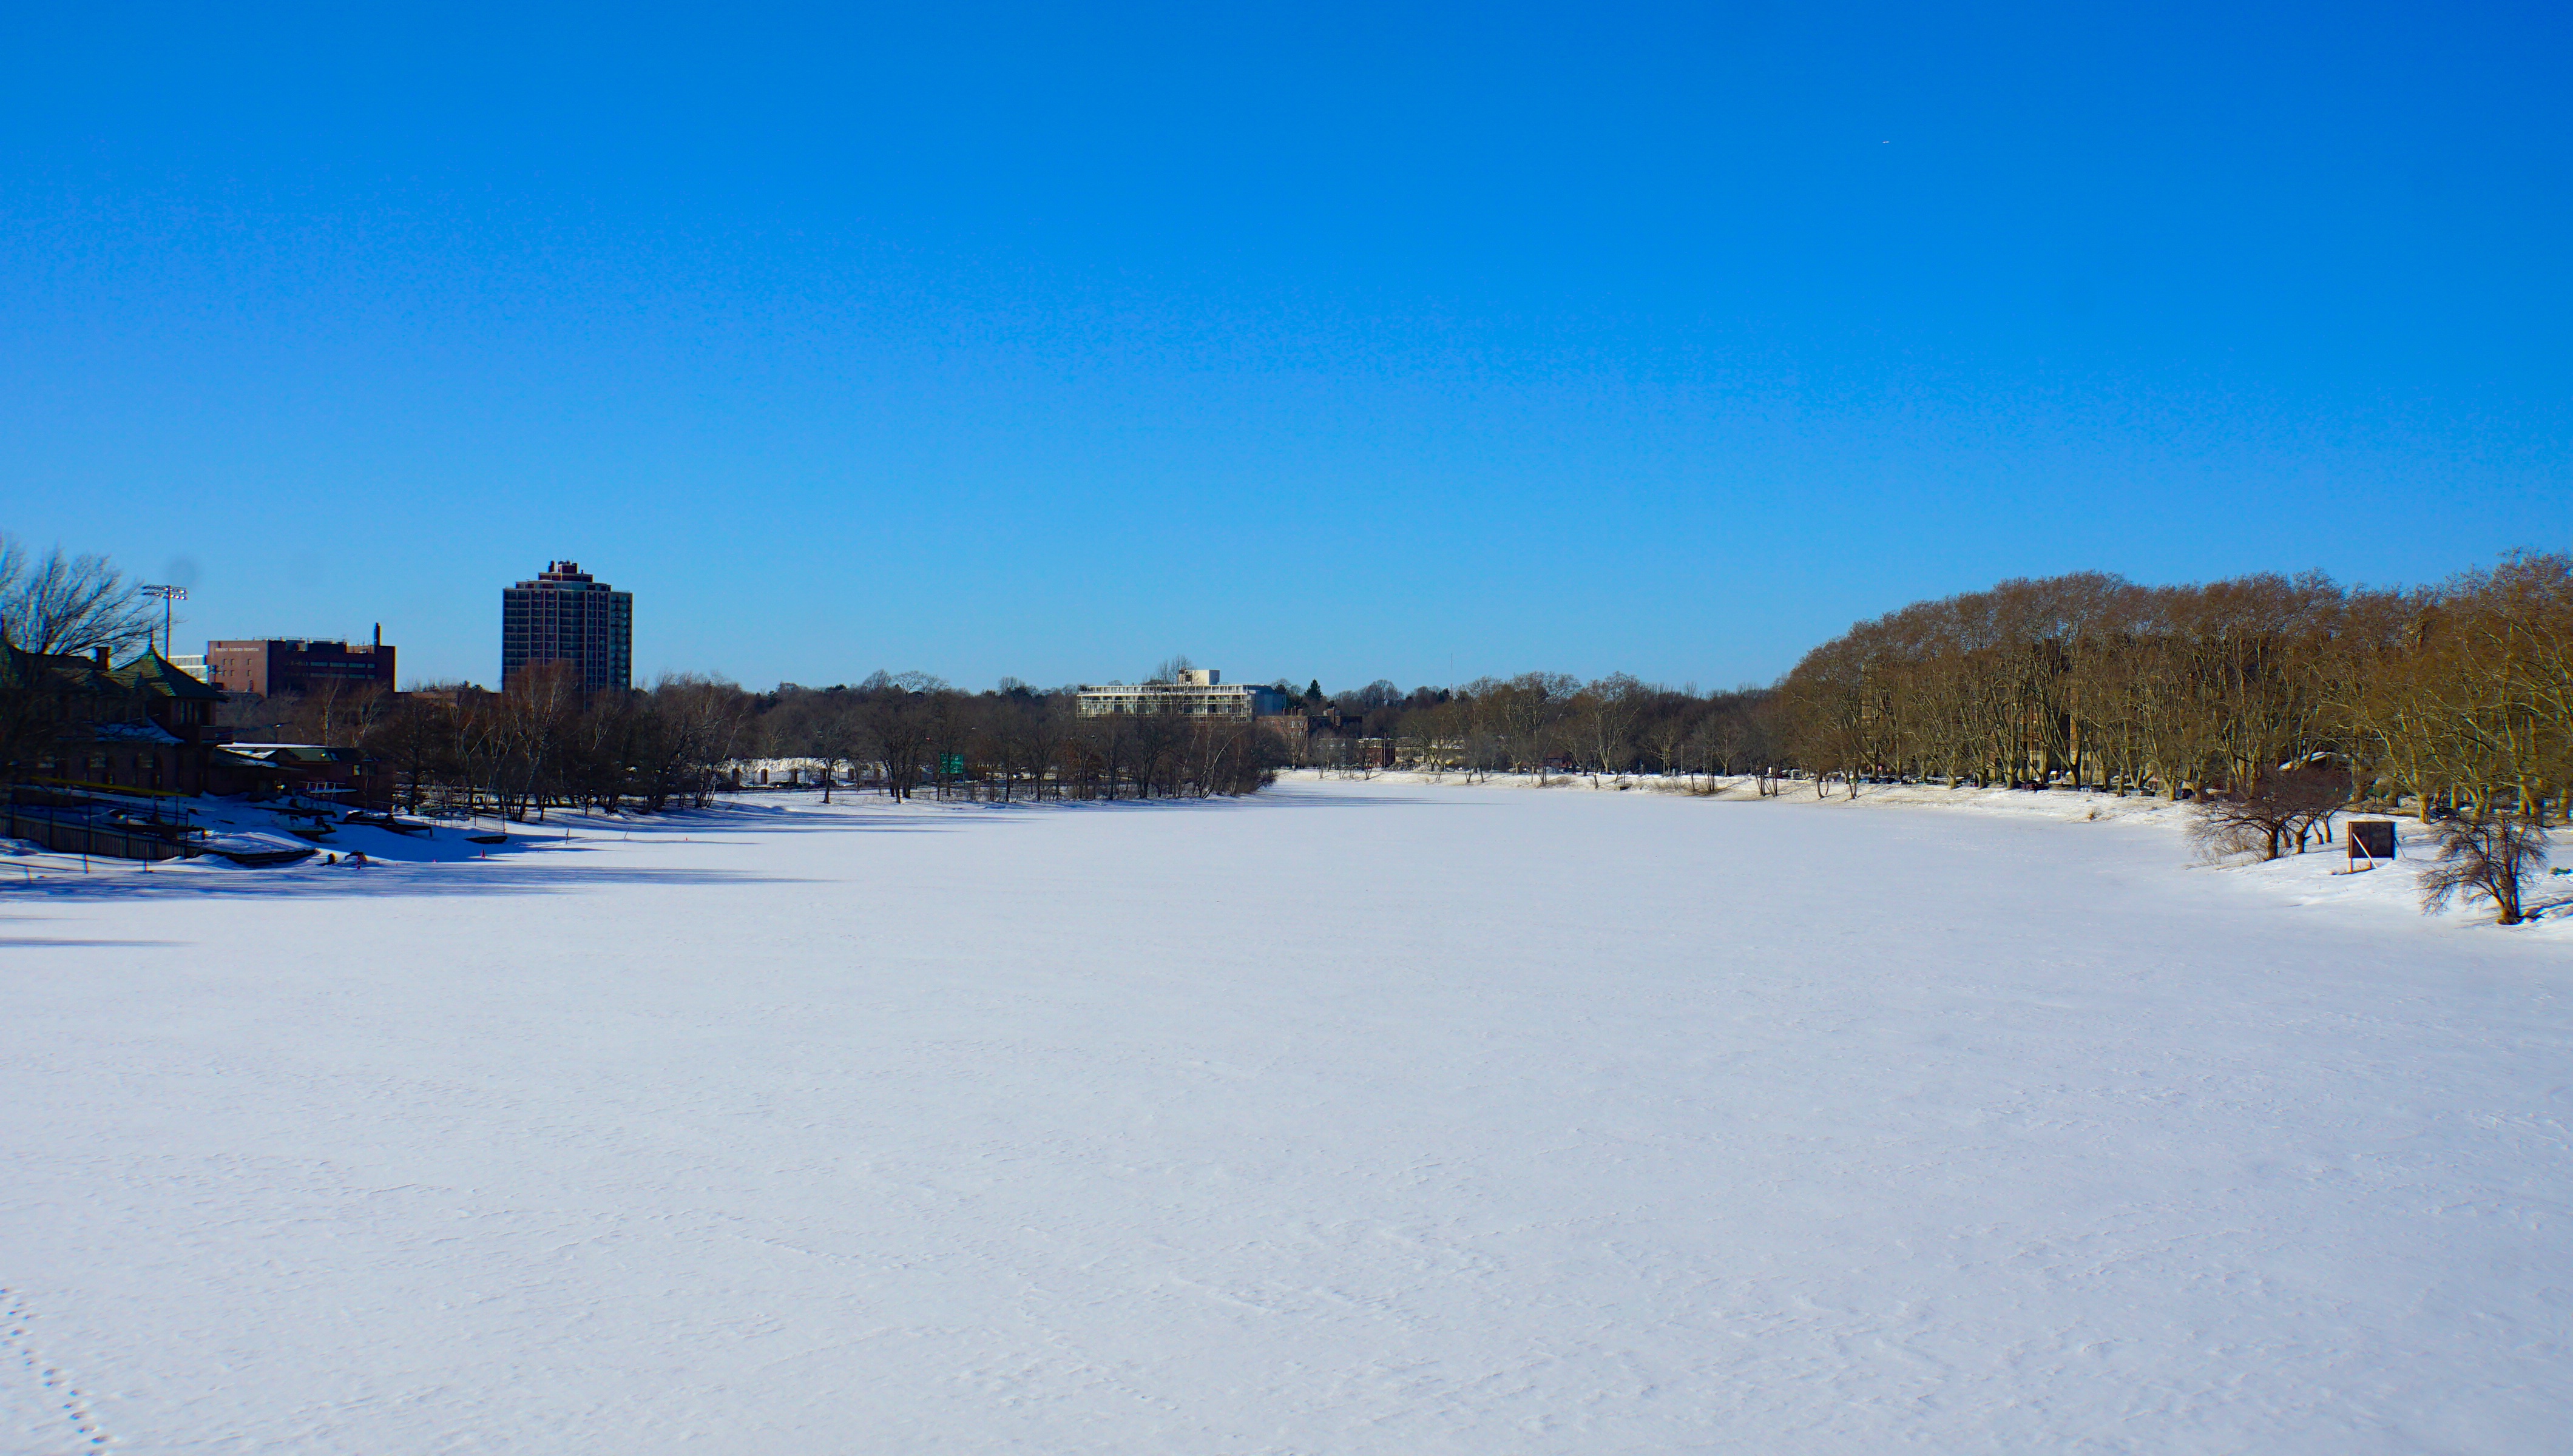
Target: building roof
x,y
224,757
152,733
58,671
154,673
278,754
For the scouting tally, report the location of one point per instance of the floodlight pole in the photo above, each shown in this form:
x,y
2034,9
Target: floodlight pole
x,y
168,594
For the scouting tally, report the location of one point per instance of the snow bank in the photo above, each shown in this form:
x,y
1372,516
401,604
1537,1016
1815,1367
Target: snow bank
x,y
1352,1117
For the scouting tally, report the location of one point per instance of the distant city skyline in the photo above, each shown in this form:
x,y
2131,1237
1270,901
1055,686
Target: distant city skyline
x,y
1337,344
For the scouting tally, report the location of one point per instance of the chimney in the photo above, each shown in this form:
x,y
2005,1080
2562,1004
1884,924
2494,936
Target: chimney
x,y
379,634
102,656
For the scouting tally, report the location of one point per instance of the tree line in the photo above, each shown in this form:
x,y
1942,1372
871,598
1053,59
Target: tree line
x,y
545,742
2284,696
1544,722
2456,696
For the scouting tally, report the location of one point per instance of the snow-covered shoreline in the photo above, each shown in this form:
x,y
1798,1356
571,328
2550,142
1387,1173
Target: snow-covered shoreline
x,y
2310,879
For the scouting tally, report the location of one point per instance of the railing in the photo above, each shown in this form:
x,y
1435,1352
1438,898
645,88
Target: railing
x,y
86,787
83,836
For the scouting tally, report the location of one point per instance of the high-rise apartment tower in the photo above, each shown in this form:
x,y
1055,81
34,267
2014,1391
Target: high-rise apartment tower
x,y
566,617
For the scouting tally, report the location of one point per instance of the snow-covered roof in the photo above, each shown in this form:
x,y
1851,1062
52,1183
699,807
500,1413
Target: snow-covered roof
x,y
147,732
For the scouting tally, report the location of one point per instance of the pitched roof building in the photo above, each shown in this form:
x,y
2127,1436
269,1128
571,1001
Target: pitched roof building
x,y
76,721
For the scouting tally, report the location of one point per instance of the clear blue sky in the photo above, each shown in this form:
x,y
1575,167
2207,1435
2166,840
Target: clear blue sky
x,y
1347,343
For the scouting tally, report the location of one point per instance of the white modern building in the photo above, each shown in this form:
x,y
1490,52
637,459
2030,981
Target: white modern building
x,y
1201,692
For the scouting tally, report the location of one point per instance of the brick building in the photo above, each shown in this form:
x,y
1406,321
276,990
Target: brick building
x,y
565,616
263,667
75,721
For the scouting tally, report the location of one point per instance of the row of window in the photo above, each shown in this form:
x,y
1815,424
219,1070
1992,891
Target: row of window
x,y
131,771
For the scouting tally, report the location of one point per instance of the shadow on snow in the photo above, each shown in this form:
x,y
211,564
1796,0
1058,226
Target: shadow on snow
x,y
382,880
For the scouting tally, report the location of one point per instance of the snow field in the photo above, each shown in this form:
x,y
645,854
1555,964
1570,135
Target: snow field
x,y
1356,1118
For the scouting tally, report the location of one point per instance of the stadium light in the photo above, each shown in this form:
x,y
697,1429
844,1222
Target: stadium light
x,y
168,594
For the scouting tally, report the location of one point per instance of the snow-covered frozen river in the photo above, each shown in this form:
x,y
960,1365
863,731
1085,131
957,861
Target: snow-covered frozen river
x,y
1351,1119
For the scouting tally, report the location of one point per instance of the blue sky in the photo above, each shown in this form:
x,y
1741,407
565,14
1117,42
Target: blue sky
x,y
1311,341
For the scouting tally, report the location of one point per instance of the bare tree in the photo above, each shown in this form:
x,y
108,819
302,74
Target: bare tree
x,y
1670,732
1157,742
64,603
335,712
2288,805
836,737
899,722
1110,743
2483,856
1023,733
418,739
951,725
